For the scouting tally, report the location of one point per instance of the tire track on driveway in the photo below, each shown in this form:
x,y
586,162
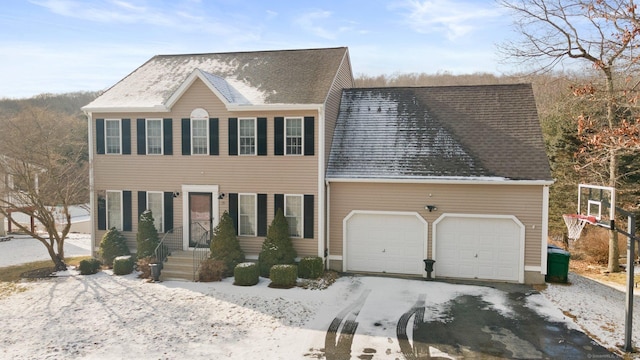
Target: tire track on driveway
x,y
417,310
341,349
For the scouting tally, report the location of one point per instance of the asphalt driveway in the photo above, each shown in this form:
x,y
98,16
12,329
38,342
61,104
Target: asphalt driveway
x,y
451,321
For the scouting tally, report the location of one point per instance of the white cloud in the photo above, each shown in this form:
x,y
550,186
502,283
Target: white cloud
x,y
453,18
310,23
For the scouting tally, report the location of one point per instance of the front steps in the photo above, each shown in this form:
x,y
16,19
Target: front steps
x,y
179,266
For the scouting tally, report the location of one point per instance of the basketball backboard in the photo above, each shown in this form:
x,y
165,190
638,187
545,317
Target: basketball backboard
x,y
597,201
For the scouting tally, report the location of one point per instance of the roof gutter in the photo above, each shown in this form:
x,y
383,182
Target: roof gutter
x,y
443,180
230,107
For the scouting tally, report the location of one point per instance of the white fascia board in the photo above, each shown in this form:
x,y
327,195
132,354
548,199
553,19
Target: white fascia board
x,y
467,181
274,107
125,109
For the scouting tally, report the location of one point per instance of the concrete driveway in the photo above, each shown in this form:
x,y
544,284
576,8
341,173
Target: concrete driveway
x,y
437,320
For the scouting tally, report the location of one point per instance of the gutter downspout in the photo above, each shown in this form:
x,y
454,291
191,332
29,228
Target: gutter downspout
x,y
92,208
321,183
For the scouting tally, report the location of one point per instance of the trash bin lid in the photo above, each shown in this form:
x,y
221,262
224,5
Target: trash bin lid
x,y
558,251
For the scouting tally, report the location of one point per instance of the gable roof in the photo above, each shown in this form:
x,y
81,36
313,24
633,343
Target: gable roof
x,y
487,132
242,78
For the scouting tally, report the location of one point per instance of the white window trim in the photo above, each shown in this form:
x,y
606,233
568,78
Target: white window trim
x,y
206,121
107,208
255,214
106,143
161,208
301,213
146,135
301,135
255,136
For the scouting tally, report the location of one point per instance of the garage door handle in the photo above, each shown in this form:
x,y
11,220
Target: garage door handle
x,y
384,250
476,255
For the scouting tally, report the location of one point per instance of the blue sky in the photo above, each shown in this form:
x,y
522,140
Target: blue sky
x,y
54,46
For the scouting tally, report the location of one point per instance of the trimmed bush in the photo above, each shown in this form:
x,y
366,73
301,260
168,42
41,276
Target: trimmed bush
x,y
123,265
246,274
112,245
89,266
225,245
211,270
144,268
277,248
310,267
283,276
147,238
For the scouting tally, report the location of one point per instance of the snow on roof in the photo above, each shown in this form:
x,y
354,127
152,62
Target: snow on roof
x,y
256,78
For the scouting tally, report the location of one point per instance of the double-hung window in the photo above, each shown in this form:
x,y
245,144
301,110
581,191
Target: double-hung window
x,y
112,135
114,209
155,203
293,136
154,137
247,214
199,136
293,212
247,136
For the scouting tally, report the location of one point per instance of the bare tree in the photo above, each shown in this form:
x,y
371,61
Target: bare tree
x,y
602,34
44,163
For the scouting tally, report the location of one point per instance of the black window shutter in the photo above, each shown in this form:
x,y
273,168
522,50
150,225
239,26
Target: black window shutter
x,y
126,136
141,136
262,214
100,138
102,213
142,202
278,136
308,216
167,129
233,210
168,211
262,136
186,136
126,211
214,138
278,201
233,136
308,135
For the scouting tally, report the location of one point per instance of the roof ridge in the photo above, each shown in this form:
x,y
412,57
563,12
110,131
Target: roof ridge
x,y
248,52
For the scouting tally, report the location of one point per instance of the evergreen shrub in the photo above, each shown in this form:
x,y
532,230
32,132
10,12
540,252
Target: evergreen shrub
x,y
147,238
277,247
211,270
89,266
123,265
246,274
310,267
112,245
225,245
283,276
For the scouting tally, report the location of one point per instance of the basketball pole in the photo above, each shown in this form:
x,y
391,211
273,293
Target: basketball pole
x,y
631,244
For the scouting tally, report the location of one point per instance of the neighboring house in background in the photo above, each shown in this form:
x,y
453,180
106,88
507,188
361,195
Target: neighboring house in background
x,y
355,170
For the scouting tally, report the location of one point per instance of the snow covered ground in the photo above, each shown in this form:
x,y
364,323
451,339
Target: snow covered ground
x,y
104,316
22,249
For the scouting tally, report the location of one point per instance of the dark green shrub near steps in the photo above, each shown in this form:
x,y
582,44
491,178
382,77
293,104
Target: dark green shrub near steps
x,y
310,267
283,276
246,274
89,266
123,265
112,245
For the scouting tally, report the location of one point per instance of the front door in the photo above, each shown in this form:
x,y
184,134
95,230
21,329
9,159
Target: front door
x,y
200,219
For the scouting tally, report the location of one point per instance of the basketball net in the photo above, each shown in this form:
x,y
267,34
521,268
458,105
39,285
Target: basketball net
x,y
575,224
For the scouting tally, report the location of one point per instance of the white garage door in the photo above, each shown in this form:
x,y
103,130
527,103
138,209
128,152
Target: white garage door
x,y
385,242
479,248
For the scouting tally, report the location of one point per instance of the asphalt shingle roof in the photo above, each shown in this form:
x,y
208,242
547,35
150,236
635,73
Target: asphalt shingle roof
x,y
490,131
260,77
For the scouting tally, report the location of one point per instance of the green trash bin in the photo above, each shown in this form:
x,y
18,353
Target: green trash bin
x,y
557,265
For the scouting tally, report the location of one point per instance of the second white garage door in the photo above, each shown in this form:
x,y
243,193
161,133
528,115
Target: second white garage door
x,y
385,242
470,247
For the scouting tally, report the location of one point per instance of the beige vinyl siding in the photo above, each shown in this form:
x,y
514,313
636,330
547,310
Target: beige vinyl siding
x,y
344,79
268,174
524,202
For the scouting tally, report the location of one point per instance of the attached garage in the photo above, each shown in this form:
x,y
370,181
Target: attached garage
x,y
479,247
385,242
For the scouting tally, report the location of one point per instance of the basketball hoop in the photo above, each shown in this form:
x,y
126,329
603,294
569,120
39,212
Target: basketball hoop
x,y
576,222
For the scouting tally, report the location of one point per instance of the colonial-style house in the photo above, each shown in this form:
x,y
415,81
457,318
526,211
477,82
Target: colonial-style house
x,y
371,180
